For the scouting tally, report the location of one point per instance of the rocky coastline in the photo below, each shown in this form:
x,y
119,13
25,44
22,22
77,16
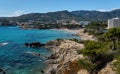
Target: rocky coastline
x,y
66,57
34,44
64,52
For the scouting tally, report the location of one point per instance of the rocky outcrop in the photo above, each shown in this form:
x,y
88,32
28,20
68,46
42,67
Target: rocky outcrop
x,y
2,71
64,54
37,54
108,69
34,44
64,60
83,71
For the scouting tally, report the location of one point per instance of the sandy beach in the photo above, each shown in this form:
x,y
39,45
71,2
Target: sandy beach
x,y
79,32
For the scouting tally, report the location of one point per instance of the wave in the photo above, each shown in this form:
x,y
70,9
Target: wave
x,y
33,53
28,52
4,43
36,54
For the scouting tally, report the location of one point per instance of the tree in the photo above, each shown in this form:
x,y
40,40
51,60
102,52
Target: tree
x,y
113,35
97,55
96,28
5,22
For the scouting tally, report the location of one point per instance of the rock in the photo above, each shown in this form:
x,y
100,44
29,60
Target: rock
x,y
108,69
42,71
53,71
83,71
53,56
2,71
34,44
37,54
26,44
62,60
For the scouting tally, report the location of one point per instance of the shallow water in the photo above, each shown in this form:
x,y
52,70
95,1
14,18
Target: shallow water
x,y
13,56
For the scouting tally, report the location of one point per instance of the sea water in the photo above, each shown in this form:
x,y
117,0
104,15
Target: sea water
x,y
14,56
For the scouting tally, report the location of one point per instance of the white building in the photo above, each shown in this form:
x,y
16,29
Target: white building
x,y
62,22
84,23
113,23
73,22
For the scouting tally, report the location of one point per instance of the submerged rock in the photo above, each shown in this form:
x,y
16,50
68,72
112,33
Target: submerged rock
x,y
42,71
2,71
37,54
34,44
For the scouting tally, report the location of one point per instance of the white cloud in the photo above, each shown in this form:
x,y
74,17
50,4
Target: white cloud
x,y
17,13
105,10
12,14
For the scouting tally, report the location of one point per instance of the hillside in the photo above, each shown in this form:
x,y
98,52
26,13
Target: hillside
x,y
97,15
44,17
66,15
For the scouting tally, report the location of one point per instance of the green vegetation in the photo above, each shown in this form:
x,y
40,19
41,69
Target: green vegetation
x,y
55,43
113,35
116,65
5,22
99,53
97,56
85,64
77,40
38,25
96,28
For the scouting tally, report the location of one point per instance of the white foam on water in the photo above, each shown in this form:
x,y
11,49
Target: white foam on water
x,y
3,44
40,60
29,52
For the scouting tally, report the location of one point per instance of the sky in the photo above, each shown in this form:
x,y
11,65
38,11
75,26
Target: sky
x,y
10,8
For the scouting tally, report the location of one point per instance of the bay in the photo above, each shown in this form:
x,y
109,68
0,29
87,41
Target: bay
x,y
14,58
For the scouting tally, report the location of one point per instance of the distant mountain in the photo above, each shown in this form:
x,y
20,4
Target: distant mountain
x,y
97,15
66,15
44,17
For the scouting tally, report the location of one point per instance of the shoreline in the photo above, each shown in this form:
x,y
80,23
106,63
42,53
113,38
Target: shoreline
x,y
67,44
79,32
66,52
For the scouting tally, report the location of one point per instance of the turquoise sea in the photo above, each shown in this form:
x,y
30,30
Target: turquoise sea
x,y
14,58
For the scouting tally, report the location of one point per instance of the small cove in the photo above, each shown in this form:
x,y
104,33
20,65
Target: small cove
x,y
13,56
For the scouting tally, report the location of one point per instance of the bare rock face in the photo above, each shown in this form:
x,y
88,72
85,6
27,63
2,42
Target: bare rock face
x,y
64,59
108,69
83,71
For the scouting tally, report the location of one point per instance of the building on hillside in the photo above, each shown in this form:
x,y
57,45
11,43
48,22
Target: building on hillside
x,y
63,22
73,22
84,23
113,23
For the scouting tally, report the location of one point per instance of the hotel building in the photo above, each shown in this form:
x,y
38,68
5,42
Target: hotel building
x,y
113,23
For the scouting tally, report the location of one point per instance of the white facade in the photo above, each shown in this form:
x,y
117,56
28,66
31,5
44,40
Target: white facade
x,y
73,22
113,23
84,23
